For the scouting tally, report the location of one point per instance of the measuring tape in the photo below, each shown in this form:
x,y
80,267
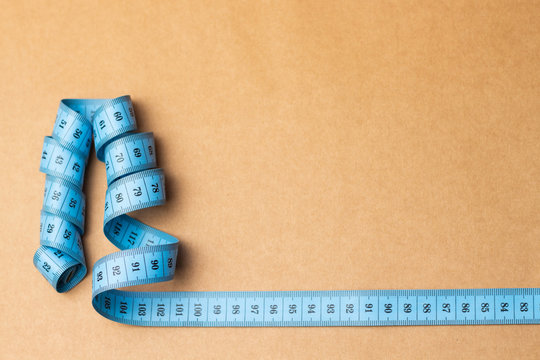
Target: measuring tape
x,y
149,255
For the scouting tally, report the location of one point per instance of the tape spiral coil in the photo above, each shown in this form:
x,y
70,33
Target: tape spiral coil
x,y
134,183
60,257
149,255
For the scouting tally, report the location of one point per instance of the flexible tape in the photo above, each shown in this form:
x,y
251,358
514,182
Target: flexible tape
x,y
60,257
149,255
319,308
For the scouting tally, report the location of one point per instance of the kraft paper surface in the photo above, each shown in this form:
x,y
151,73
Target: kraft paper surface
x,y
320,145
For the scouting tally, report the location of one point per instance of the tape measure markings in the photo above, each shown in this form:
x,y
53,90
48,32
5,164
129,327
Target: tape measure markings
x,y
61,162
141,190
119,115
72,130
57,192
143,148
62,234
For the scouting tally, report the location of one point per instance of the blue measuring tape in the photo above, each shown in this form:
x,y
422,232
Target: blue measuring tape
x,y
149,255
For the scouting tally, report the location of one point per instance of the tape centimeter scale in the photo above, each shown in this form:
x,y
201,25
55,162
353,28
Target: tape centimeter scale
x,y
149,255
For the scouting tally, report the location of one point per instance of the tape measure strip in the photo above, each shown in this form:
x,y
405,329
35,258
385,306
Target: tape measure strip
x,y
320,308
150,255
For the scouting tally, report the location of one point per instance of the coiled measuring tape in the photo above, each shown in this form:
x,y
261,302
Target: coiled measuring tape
x,y
149,255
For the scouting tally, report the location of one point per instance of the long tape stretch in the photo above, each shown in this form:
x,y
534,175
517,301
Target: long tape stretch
x,y
149,255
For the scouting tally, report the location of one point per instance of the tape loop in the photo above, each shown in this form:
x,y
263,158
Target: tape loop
x,y
134,184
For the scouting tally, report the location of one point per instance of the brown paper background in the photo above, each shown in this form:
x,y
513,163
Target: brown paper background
x,y
306,145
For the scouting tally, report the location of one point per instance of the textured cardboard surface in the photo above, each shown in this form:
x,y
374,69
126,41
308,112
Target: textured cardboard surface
x,y
306,145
